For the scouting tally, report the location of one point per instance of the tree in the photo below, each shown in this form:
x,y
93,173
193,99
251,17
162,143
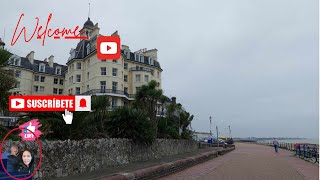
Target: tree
x,y
147,99
7,80
185,122
131,123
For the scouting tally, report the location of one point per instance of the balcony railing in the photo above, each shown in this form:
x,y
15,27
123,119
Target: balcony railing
x,y
113,91
141,69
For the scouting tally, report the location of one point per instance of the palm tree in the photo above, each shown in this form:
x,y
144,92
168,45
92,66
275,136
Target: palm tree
x,y
131,123
147,99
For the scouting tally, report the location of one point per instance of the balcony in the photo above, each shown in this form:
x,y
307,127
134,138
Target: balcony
x,y
109,92
141,69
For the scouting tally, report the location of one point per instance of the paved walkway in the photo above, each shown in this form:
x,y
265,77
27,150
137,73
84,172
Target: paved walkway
x,y
252,162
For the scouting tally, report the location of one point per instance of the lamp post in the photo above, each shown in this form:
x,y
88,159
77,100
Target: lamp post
x,y
210,127
217,135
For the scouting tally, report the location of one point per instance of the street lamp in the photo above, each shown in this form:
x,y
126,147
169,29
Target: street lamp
x,y
210,127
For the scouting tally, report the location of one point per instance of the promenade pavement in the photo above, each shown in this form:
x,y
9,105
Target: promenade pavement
x,y
251,162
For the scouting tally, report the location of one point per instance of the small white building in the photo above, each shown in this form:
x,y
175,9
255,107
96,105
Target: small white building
x,y
201,136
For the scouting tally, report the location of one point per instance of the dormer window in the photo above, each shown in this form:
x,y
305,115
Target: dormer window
x,y
151,61
88,49
17,61
137,57
142,58
58,70
72,53
42,68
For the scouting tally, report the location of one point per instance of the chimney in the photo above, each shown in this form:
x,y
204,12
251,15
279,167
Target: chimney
x,y
51,60
174,99
115,33
125,47
30,57
151,53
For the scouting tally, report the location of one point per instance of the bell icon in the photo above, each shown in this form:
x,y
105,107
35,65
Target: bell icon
x,y
83,103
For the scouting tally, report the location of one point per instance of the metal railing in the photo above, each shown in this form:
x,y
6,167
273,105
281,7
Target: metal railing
x,y
113,91
302,150
140,69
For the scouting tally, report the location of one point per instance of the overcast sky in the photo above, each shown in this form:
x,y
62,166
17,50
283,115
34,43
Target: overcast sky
x,y
249,64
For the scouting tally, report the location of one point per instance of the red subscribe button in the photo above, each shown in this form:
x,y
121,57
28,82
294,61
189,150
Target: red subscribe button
x,y
49,103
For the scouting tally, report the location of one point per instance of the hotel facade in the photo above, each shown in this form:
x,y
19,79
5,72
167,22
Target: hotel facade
x,y
84,74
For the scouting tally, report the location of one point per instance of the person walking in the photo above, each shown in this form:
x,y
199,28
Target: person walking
x,y
275,143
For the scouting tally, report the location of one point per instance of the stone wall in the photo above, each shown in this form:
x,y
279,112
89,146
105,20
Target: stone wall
x,y
63,158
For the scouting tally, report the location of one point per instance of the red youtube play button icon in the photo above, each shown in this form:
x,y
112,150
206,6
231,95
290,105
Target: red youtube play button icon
x,y
16,103
108,47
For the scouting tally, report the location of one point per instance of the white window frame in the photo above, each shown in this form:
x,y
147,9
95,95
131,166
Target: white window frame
x,y
58,68
114,72
41,87
78,75
78,92
78,66
88,49
138,80
44,67
103,73
146,78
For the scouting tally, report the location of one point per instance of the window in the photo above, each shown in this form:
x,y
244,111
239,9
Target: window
x,y
36,78
58,70
78,78
125,89
151,61
42,78
114,102
114,86
137,57
17,85
71,79
72,67
61,82
88,63
125,66
41,89
137,77
88,48
17,61
18,73
103,86
55,91
141,58
60,91
114,71
125,78
42,68
55,81
35,88
77,90
114,60
79,65
88,75
137,89
146,78
103,71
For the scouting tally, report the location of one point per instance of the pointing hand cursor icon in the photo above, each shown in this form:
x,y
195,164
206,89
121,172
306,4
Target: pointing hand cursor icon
x,y
31,128
67,116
